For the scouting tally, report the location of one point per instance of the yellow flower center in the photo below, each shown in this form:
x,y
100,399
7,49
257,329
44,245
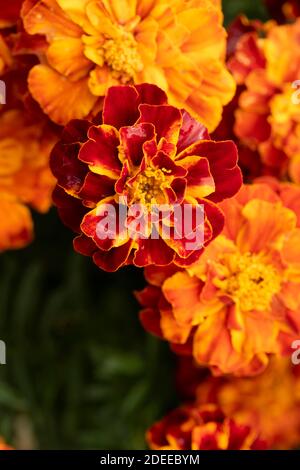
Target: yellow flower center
x,y
122,56
250,281
149,185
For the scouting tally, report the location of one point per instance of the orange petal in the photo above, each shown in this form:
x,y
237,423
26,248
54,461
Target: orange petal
x,y
291,253
60,98
66,57
16,229
265,225
183,293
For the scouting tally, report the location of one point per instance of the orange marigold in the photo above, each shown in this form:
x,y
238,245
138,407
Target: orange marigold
x,y
26,139
25,177
239,303
94,44
193,427
267,64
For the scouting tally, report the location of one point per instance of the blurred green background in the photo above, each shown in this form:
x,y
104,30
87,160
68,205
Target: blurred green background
x,y
81,373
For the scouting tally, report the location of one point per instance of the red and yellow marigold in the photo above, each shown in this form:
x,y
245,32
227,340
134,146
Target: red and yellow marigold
x,y
94,44
239,303
267,64
206,427
149,153
269,402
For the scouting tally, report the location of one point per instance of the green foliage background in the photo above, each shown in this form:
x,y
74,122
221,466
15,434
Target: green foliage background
x,y
81,373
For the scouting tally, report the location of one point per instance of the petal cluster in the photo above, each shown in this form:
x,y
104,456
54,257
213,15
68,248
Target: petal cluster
x,y
26,139
92,45
193,427
146,153
266,66
269,402
239,303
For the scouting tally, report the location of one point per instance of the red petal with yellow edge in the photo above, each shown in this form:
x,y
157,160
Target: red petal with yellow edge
x,y
95,188
132,141
121,106
183,246
200,182
70,209
76,131
222,158
179,187
151,251
166,119
66,167
164,162
189,260
215,217
191,131
122,102
150,320
102,225
120,184
84,245
151,94
114,259
238,434
101,151
60,98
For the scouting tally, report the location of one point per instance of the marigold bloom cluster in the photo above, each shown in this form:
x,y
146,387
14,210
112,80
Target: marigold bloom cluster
x,y
113,111
266,66
26,139
239,303
193,427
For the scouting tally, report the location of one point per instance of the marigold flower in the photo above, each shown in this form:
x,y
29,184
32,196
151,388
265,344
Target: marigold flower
x,y
239,303
269,402
268,113
93,44
193,427
25,176
147,153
